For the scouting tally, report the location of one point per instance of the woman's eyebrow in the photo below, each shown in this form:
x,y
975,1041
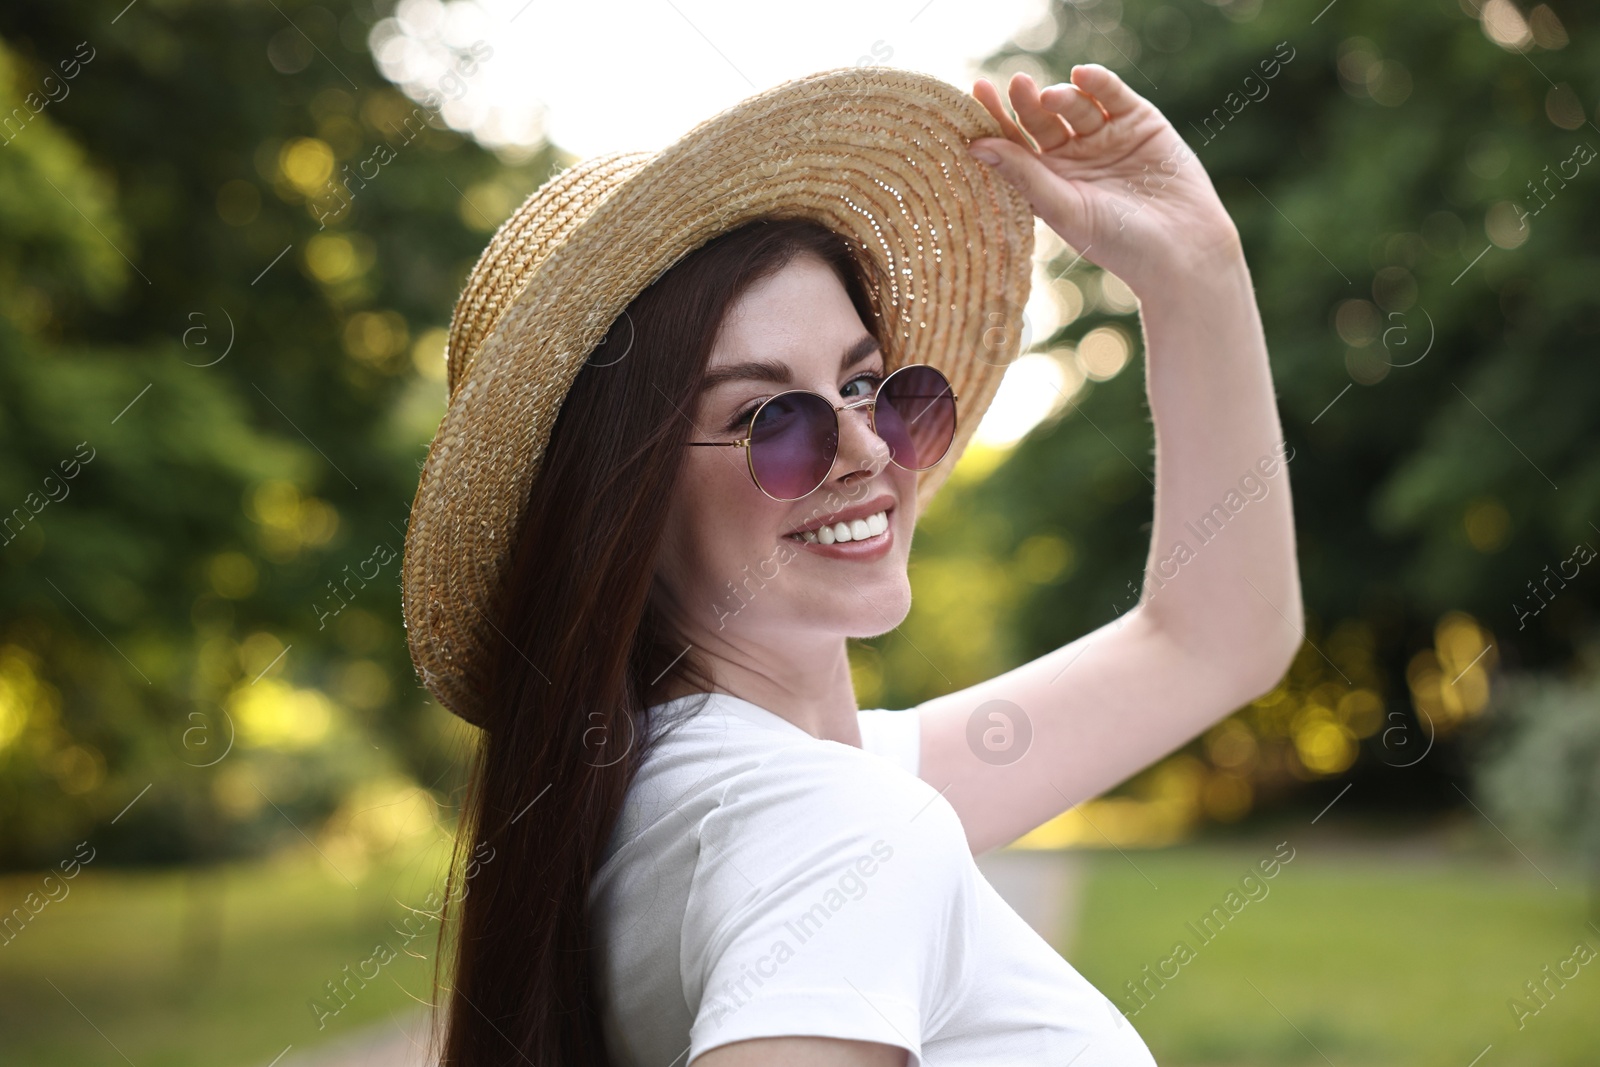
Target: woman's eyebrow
x,y
777,371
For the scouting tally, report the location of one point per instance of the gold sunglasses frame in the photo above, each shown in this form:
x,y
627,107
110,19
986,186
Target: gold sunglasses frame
x,y
868,402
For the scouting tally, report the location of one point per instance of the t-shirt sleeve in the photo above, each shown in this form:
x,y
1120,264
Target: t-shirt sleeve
x,y
832,897
894,735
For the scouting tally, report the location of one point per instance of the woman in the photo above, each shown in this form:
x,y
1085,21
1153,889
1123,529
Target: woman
x,y
702,852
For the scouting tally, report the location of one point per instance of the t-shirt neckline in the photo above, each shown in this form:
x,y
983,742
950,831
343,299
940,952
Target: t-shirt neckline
x,y
728,704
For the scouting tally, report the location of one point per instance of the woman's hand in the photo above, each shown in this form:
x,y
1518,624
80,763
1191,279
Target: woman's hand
x,y
1111,176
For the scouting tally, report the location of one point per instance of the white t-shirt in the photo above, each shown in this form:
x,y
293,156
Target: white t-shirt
x,y
763,882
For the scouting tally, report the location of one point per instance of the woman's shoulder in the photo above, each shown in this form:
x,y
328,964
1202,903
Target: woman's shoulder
x,y
828,775
752,778
823,805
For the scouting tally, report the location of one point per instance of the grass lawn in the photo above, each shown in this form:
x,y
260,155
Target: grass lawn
x,y
1347,958
1355,957
171,968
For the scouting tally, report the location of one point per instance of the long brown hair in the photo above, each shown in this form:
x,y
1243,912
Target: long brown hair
x,y
583,657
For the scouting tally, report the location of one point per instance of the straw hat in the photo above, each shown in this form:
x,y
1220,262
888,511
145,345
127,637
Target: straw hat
x,y
875,153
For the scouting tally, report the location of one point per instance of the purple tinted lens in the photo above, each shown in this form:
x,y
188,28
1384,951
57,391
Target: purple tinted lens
x,y
916,416
793,444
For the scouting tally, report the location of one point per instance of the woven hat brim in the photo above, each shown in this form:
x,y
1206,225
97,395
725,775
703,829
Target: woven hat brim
x,y
875,153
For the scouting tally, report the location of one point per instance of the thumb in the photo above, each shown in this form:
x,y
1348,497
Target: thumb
x,y
1025,172
1016,165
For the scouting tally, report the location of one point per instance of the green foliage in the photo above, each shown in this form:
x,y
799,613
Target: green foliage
x,y
191,603
1436,394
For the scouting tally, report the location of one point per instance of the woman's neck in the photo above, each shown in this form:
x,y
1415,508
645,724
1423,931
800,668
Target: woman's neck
x,y
822,703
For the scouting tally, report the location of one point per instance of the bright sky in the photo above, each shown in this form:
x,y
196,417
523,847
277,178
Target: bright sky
x,y
607,75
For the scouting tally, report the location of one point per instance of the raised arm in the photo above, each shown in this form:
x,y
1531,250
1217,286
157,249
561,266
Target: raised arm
x,y
1219,618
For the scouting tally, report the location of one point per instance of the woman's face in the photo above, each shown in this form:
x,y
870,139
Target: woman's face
x,y
733,571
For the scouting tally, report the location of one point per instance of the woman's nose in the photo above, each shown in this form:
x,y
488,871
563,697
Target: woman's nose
x,y
860,448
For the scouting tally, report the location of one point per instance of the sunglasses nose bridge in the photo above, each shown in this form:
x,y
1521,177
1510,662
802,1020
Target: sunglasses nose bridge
x,y
868,402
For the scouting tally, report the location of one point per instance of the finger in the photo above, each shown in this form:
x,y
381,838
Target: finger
x,y
1082,112
1106,86
1048,130
989,97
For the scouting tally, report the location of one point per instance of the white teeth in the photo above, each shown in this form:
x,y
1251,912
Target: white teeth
x,y
854,530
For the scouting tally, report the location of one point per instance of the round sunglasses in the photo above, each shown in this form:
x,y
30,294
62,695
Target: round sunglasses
x,y
793,437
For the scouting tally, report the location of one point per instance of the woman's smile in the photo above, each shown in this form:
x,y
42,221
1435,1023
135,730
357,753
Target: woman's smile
x,y
863,531
866,538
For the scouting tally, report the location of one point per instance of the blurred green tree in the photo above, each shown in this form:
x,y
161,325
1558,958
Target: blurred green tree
x,y
228,248
1415,194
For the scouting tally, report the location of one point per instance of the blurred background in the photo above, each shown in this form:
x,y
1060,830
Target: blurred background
x,y
231,235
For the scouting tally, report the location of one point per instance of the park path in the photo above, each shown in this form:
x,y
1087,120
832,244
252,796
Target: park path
x,y
1044,887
